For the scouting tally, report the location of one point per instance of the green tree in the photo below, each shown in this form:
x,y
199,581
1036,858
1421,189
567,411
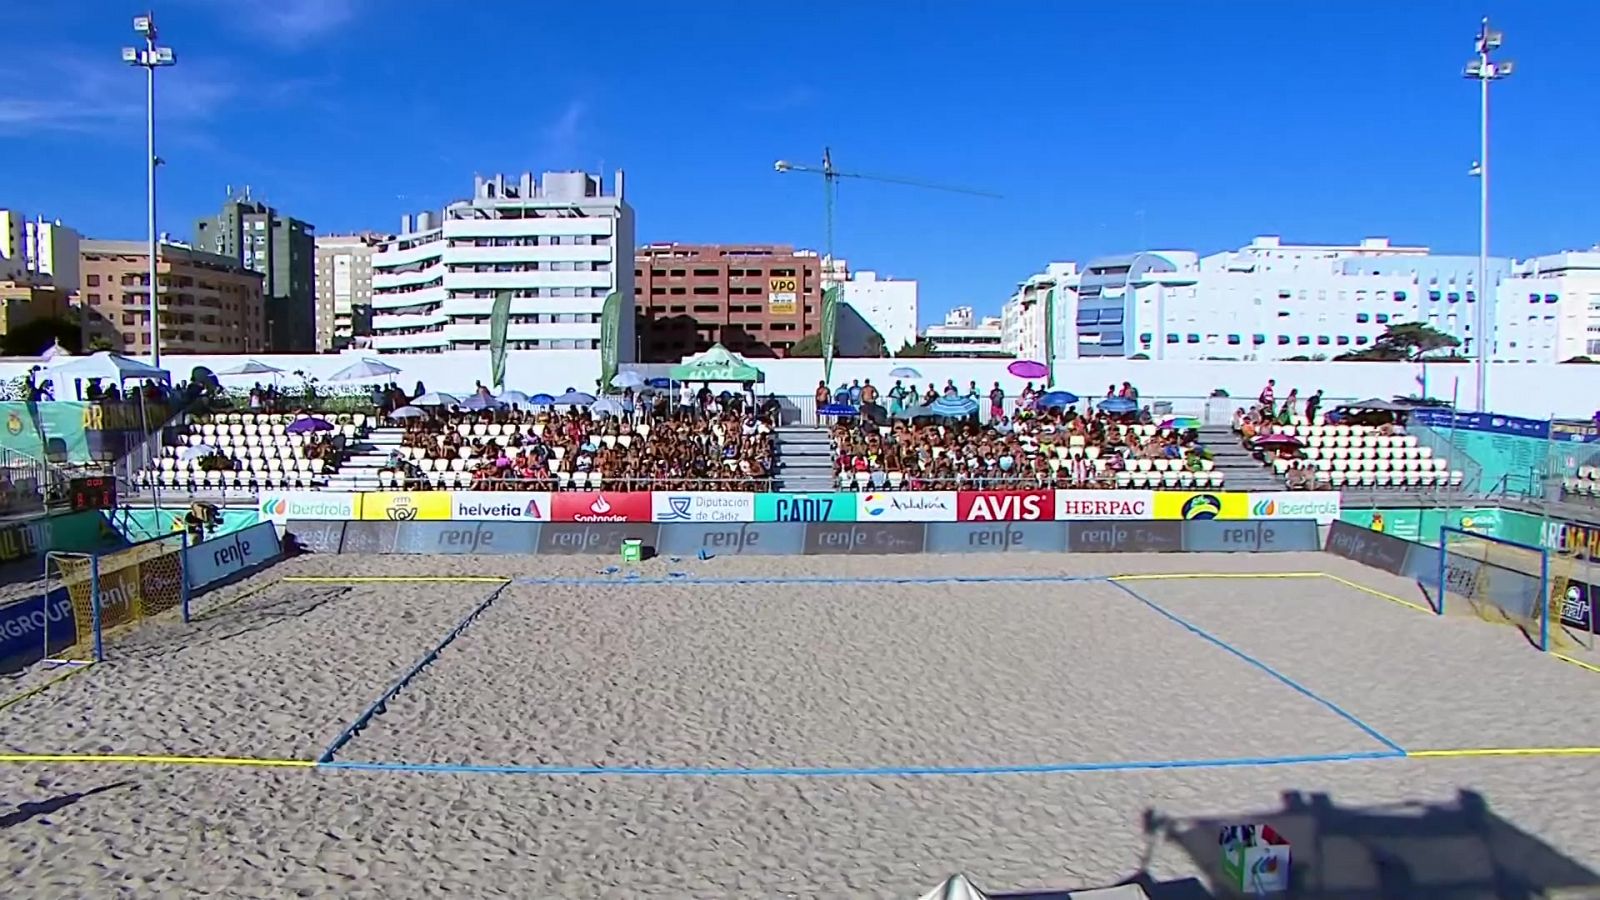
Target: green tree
x,y
36,337
875,347
920,348
1404,342
809,347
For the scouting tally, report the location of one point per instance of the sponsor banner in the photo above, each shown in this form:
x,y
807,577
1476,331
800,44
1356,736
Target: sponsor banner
x,y
460,538
805,507
369,537
733,539
500,506
1576,601
782,295
316,537
702,506
996,537
24,540
1105,505
212,561
1319,506
1370,548
1124,537
864,539
1250,537
24,624
600,506
406,506
1202,505
1005,506
597,538
906,506
1572,539
280,507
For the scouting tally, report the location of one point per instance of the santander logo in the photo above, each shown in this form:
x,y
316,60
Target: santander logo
x,y
600,511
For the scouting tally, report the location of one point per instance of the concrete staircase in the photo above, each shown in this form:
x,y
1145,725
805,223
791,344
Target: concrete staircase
x,y
367,456
1241,471
804,459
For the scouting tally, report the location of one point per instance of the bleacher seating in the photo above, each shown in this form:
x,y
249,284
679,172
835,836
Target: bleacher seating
x,y
254,451
1586,483
1365,457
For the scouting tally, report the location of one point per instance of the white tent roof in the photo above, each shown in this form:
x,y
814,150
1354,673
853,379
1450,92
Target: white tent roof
x,y
956,887
106,366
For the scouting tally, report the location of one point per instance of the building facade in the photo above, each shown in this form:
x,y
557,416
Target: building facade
x,y
344,288
23,302
283,250
38,251
964,334
1549,309
558,246
1043,310
875,309
757,300
209,303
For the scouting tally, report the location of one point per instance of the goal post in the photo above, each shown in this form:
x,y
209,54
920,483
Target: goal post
x,y
109,591
1502,581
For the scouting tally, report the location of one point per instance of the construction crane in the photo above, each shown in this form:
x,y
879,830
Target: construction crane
x,y
830,184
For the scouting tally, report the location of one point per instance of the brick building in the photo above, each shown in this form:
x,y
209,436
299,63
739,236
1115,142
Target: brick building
x,y
209,303
755,299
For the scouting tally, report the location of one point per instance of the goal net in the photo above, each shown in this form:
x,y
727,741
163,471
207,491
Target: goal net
x,y
110,591
1502,581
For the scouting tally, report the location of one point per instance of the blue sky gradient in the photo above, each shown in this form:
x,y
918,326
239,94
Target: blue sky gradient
x,y
1106,126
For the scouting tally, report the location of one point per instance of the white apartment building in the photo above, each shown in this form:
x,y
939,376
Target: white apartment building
x,y
1025,319
1549,309
559,245
963,334
886,305
344,288
38,251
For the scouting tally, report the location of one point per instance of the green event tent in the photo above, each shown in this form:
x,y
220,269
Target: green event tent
x,y
717,364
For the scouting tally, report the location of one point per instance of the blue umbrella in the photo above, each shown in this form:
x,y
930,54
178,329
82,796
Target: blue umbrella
x,y
1056,400
541,400
513,398
904,372
308,425
606,406
407,412
628,380
366,368
574,398
954,407
1117,405
479,403
436,399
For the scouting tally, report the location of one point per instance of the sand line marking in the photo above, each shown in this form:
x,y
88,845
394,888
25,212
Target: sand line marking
x,y
38,689
381,704
1591,667
378,579
1296,686
145,759
1353,585
1503,751
624,580
1174,576
214,610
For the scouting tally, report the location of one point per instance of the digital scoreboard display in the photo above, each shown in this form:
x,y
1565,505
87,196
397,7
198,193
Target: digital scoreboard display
x,y
93,493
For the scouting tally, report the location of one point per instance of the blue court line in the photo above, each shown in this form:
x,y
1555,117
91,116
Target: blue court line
x,y
862,772
624,580
1335,708
381,704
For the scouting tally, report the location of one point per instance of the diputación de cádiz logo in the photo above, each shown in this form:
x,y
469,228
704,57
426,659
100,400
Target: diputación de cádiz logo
x,y
1202,506
401,509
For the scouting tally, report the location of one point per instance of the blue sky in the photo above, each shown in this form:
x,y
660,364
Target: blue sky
x,y
1106,126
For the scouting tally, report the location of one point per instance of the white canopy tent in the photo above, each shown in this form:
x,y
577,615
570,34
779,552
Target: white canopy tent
x,y
109,367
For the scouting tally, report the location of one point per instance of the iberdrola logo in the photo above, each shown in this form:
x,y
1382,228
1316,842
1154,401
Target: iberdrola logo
x,y
274,506
1264,509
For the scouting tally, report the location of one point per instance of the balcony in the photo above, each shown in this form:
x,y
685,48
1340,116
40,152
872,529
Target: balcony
x,y
402,299
511,281
389,323
493,255
388,279
474,228
433,340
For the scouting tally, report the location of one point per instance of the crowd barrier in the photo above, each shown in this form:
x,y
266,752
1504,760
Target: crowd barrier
x,y
679,507
796,538
1422,564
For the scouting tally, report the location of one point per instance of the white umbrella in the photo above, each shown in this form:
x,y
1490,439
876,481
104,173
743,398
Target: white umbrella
x,y
197,451
513,398
904,372
407,412
362,369
628,380
436,399
574,398
252,368
606,406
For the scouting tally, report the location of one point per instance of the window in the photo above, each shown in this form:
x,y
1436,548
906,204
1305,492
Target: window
x,y
1362,318
1258,339
705,273
1382,318
1361,341
1194,339
1533,298
1453,297
1343,341
1283,339
1471,296
1551,298
1144,338
1434,296
1233,339
1088,317
1172,338
91,280
1399,296
1322,340
1303,340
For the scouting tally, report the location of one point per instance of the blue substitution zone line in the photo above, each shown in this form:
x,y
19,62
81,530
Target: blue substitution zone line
x,y
622,579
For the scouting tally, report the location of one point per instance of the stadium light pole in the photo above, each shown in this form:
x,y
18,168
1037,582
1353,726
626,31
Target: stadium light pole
x,y
1484,70
150,58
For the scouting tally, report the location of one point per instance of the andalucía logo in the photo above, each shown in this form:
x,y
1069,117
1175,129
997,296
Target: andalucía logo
x,y
1202,506
878,504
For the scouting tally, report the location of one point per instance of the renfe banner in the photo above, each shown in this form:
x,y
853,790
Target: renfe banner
x,y
218,559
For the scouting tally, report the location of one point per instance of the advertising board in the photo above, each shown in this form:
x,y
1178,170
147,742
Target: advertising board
x,y
733,539
369,537
906,506
1250,537
1124,537
1319,506
702,506
315,537
467,538
1370,548
805,508
500,506
23,626
995,537
595,538
864,538
405,506
218,559
600,506
1104,505
326,506
1201,505
783,293
1005,506
1577,606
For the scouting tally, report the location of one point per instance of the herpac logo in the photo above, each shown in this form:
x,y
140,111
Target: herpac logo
x,y
677,509
1263,509
14,424
1202,506
401,509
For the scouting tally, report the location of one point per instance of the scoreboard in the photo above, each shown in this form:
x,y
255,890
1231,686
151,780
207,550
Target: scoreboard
x,y
96,492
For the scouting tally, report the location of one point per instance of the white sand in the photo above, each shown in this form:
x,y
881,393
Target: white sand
x,y
775,675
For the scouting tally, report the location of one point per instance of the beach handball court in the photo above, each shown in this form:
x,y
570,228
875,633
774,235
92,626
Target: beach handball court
x,y
400,726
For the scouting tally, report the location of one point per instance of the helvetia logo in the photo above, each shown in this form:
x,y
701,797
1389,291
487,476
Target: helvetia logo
x,y
1202,506
532,511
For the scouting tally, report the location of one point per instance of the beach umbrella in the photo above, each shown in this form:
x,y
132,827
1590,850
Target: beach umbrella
x,y
252,367
919,412
606,406
479,403
190,454
904,372
407,412
953,407
308,425
1118,405
541,400
513,398
1180,423
628,380
1027,368
1056,400
434,398
363,369
1278,441
874,413
574,398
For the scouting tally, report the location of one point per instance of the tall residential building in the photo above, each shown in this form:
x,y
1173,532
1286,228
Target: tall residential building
x,y
38,251
1051,294
558,245
964,334
1549,309
13,243
344,288
872,304
209,303
22,302
283,250
755,299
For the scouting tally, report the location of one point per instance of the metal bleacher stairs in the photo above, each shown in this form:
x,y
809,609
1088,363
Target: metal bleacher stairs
x,y
804,459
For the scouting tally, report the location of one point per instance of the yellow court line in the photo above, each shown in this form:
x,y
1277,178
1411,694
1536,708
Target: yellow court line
x,y
1506,751
125,759
1379,594
1577,662
1173,576
363,579
39,689
227,603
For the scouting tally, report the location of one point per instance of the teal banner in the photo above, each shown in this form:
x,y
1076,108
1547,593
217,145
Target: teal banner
x,y
805,507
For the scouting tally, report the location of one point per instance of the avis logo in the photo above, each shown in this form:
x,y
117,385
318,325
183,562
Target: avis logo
x,y
1202,506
